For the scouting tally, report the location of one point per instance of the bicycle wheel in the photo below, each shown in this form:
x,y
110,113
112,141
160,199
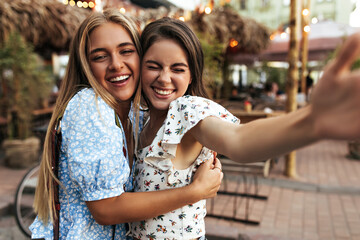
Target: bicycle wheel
x,y
24,199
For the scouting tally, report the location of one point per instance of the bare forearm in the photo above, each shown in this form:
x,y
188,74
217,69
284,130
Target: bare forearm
x,y
271,137
260,139
130,207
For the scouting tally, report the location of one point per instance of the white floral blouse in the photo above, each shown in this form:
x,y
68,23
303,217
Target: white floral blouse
x,y
154,170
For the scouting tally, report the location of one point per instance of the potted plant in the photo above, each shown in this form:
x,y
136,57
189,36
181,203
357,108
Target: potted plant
x,y
24,84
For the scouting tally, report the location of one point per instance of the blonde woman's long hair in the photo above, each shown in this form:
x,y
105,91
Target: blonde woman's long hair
x,y
78,76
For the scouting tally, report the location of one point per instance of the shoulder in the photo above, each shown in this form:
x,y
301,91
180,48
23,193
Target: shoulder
x,y
200,107
86,102
85,106
188,101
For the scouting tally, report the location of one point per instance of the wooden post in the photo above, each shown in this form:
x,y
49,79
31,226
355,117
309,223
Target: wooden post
x,y
293,76
305,43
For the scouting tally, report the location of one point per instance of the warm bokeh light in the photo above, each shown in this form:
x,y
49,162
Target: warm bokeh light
x,y
233,43
65,2
79,4
314,20
272,36
182,19
85,4
305,12
207,10
72,3
307,28
91,5
122,10
283,35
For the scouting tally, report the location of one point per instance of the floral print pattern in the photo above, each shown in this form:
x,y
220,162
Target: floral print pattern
x,y
92,166
154,170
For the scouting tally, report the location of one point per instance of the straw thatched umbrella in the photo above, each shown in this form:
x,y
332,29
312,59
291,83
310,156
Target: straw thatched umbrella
x,y
47,24
226,24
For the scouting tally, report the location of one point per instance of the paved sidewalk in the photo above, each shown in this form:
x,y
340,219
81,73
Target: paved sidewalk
x,y
324,203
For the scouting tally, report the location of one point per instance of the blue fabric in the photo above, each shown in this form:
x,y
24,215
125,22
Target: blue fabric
x,y
92,166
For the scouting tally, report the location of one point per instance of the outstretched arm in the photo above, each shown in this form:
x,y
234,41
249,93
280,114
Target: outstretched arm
x,y
130,207
334,113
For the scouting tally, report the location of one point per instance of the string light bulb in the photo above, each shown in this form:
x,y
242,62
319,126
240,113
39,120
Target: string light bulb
x,y
233,43
305,12
207,10
307,28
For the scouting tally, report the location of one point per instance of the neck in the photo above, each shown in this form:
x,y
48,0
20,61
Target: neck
x,y
149,131
123,112
157,117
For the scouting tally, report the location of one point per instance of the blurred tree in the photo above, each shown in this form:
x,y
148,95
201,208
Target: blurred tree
x,y
214,55
225,25
24,85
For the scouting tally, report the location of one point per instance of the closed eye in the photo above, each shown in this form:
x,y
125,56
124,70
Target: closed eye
x,y
179,67
98,57
127,51
152,65
179,70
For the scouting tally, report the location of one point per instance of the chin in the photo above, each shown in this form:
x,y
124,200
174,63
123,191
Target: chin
x,y
161,106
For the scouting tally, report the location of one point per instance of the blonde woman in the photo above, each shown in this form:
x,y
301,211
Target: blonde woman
x,y
96,153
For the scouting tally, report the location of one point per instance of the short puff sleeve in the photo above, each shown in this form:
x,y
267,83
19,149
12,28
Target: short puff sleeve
x,y
184,113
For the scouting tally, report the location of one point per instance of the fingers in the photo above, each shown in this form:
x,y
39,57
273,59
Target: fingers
x,y
217,164
348,53
209,163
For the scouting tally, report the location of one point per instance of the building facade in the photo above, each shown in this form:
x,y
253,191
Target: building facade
x,y
275,13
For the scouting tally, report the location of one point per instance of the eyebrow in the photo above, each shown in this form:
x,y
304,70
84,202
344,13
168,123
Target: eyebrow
x,y
124,44
174,65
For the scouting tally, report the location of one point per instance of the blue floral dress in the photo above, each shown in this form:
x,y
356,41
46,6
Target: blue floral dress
x,y
92,166
154,170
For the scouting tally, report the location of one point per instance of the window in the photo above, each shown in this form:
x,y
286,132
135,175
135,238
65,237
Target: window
x,y
286,2
265,3
242,4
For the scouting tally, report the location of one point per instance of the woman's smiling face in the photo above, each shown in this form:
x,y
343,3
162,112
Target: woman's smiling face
x,y
114,60
165,73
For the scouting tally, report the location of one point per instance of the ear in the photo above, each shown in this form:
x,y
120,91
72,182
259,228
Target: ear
x,y
190,81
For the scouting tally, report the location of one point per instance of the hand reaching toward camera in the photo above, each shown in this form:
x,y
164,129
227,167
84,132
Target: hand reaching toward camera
x,y
336,97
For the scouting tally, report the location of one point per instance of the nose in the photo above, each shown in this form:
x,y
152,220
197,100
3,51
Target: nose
x,y
116,63
164,76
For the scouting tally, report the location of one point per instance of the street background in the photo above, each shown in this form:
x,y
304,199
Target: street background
x,y
324,203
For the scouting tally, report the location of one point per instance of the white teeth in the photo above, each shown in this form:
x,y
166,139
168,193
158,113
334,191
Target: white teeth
x,y
163,92
118,79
